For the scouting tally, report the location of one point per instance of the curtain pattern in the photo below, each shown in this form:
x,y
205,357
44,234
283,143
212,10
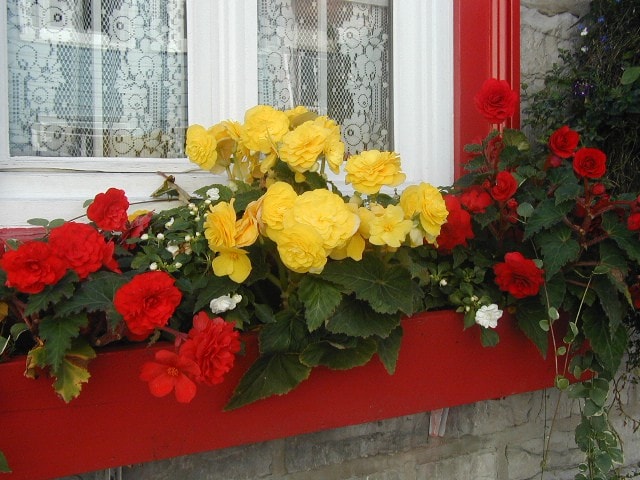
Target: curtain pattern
x,y
97,78
332,56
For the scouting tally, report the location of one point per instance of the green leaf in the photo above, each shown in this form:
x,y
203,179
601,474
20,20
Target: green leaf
x,y
3,344
626,239
95,294
525,209
320,299
547,214
357,319
489,337
58,334
555,289
73,372
52,294
386,289
561,382
4,465
287,334
389,348
609,300
339,357
630,75
558,248
608,345
274,374
215,287
568,190
528,315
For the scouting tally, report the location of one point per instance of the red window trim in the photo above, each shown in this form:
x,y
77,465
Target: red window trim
x,y
486,44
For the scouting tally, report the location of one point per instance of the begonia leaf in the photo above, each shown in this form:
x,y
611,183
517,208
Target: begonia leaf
x,y
387,289
546,214
357,319
52,294
4,464
558,248
389,348
608,345
529,314
274,374
626,239
288,333
73,371
58,334
320,299
609,300
338,357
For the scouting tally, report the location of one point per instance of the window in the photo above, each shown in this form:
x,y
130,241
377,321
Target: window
x,y
441,52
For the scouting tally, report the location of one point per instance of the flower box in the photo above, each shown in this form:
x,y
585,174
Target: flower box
x,y
115,421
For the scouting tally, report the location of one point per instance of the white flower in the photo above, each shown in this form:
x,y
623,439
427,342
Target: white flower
x,y
443,282
173,250
488,316
224,303
177,265
160,236
213,193
584,32
144,236
153,266
169,223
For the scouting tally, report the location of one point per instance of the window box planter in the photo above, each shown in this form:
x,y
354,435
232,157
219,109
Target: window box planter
x,y
116,421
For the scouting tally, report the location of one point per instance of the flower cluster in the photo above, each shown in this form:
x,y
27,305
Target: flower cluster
x,y
324,278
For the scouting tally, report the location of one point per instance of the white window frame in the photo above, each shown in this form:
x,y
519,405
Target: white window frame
x,y
222,84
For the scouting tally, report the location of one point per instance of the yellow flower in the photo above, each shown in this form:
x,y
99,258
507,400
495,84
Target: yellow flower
x,y
220,226
334,153
390,228
232,262
264,126
372,169
301,248
427,201
247,230
327,213
301,147
201,147
278,198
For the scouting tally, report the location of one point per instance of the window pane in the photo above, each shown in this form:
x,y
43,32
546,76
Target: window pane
x,y
97,78
332,56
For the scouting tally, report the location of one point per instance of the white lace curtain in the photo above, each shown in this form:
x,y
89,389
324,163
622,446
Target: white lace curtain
x,y
97,78
332,56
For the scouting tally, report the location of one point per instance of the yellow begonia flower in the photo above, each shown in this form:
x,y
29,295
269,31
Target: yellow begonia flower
x,y
327,213
370,170
132,216
220,226
390,228
201,147
301,248
353,249
263,128
232,262
278,198
247,230
301,147
427,201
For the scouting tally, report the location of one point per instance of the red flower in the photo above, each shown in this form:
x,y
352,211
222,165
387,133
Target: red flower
x,y
563,142
590,163
147,301
171,372
458,227
212,345
518,275
505,186
475,199
553,161
109,210
493,149
83,248
136,228
32,266
496,101
633,222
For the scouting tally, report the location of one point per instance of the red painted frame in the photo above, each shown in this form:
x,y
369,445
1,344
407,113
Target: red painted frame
x,y
115,421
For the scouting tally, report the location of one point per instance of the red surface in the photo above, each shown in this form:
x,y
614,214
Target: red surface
x,y
486,44
116,421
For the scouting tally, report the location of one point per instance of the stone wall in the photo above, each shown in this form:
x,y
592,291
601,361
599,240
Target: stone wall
x,y
492,440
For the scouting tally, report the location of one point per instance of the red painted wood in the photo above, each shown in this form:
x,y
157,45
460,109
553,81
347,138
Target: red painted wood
x,y
486,44
116,421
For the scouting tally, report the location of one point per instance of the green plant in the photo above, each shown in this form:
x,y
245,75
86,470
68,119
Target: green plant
x,y
324,278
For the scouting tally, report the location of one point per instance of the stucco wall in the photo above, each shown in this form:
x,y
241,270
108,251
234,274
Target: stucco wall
x,y
492,440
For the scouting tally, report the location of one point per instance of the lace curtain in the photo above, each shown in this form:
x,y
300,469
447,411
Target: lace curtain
x,y
332,56
97,78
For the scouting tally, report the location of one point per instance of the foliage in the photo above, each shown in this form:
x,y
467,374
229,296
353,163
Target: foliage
x,y
324,278
596,89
